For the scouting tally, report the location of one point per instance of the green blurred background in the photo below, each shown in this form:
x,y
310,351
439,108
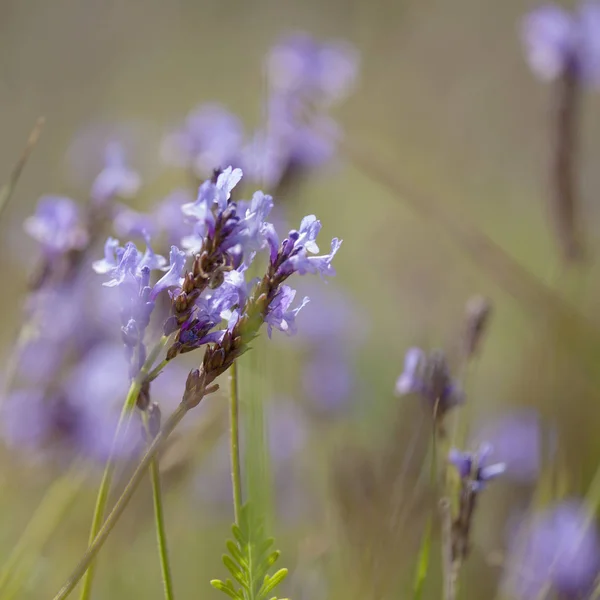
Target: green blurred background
x,y
444,195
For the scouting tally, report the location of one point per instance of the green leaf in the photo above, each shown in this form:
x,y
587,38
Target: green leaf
x,y
236,571
236,554
271,559
226,588
237,534
272,582
423,562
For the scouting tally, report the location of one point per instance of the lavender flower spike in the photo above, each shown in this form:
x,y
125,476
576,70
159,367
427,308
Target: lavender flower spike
x,y
472,469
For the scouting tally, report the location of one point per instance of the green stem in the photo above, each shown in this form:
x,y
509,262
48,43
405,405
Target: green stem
x,y
234,421
121,504
157,370
159,521
109,468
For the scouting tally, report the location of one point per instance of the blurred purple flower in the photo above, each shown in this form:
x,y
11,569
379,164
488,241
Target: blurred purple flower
x,y
57,226
556,40
324,72
330,315
557,550
131,223
25,419
97,399
167,216
210,138
428,376
328,379
474,468
114,157
116,179
516,440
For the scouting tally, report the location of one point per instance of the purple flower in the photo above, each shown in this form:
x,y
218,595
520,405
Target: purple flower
x,y
212,199
241,225
301,65
25,419
129,223
331,315
57,226
556,40
472,467
517,442
126,264
129,270
167,216
172,278
556,550
296,247
429,377
117,179
96,391
280,315
210,138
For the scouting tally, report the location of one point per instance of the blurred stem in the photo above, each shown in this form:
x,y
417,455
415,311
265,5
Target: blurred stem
x,y
121,504
109,468
56,501
8,189
234,422
159,522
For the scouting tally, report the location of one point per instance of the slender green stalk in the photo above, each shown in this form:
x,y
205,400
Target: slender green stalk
x,y
157,370
234,439
159,521
109,468
121,504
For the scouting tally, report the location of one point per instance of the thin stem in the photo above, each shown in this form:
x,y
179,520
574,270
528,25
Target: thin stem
x,y
121,504
109,468
234,439
159,521
157,370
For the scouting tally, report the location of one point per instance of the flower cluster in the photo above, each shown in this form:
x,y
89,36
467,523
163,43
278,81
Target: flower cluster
x,y
305,80
226,237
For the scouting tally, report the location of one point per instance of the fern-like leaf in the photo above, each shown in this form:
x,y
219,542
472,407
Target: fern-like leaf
x,y
249,560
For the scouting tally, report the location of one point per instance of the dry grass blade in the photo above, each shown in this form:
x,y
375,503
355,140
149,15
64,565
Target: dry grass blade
x,y
8,189
577,336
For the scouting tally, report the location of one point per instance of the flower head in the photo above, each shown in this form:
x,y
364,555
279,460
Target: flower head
x,y
556,550
209,139
57,226
429,377
117,179
300,65
472,468
557,41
